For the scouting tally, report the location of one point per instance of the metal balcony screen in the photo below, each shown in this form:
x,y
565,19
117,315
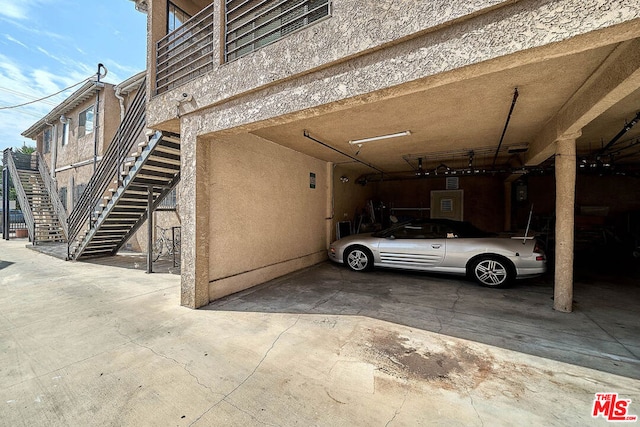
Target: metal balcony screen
x,y
251,24
186,52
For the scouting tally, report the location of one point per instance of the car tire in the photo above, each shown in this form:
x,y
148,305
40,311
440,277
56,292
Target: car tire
x,y
358,258
492,271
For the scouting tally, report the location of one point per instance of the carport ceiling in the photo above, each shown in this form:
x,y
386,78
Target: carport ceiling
x,y
459,117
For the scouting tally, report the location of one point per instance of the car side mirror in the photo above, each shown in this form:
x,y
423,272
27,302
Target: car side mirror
x,y
391,237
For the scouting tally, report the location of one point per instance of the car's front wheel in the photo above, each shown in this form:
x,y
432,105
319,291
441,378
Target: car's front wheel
x,y
359,259
492,272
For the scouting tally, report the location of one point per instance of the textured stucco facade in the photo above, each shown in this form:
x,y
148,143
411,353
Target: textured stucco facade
x,y
72,163
353,56
364,52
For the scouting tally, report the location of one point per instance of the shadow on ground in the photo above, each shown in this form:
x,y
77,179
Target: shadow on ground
x,y
602,333
4,264
136,261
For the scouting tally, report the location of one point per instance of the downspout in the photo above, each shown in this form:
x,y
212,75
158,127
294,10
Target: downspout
x,y
96,127
54,148
121,99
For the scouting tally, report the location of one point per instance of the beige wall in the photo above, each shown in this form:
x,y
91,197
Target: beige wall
x,y
265,220
81,148
348,197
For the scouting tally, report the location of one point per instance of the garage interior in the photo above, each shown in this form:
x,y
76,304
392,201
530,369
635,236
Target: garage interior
x,y
476,135
306,181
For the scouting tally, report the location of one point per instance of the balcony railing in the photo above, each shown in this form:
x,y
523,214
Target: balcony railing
x,y
186,52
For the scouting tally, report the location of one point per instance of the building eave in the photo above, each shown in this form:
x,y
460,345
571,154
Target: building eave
x,y
81,95
131,83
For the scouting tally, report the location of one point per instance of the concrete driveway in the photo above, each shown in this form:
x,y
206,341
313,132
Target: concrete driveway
x,y
94,344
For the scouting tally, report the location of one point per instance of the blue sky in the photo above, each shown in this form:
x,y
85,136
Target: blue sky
x,y
47,45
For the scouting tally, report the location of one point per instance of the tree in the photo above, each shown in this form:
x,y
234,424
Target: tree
x,y
26,149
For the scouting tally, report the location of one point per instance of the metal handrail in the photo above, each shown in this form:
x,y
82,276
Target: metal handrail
x,y
9,160
109,168
52,189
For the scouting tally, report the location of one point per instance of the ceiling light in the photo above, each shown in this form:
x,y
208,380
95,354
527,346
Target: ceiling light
x,y
377,138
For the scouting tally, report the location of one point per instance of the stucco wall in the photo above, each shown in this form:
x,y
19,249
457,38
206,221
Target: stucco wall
x,y
265,220
383,40
348,197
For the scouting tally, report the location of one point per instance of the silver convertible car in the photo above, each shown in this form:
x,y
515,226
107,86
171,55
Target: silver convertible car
x,y
443,246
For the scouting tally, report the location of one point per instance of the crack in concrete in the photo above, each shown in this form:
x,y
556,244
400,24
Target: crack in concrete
x,y
611,335
224,398
473,405
324,301
397,411
250,414
453,307
183,366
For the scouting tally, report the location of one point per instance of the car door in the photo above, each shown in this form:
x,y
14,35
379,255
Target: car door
x,y
414,246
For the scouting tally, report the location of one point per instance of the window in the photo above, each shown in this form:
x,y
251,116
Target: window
x,y
65,134
77,192
85,122
251,24
175,17
46,140
62,193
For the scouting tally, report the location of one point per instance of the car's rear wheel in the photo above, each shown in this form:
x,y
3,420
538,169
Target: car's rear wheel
x,y
492,272
358,258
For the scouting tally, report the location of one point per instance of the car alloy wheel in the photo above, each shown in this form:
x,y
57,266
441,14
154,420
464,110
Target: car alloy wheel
x,y
491,272
359,259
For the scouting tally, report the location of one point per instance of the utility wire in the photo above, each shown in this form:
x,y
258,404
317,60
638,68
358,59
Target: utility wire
x,y
45,97
25,95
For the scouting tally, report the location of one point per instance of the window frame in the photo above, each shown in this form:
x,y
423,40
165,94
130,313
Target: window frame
x,y
181,11
82,122
46,140
65,134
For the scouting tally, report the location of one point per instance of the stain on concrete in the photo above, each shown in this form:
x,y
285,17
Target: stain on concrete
x,y
452,366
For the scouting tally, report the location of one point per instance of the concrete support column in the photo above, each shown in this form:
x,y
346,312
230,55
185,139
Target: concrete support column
x,y
565,164
194,211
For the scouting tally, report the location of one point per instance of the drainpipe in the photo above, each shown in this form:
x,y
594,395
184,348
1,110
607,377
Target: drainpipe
x,y
121,99
54,148
96,126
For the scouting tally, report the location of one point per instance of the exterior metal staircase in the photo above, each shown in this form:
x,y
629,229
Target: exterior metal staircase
x,y
44,214
147,177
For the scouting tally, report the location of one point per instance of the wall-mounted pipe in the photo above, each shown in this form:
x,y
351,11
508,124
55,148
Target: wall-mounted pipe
x,y
627,127
506,125
121,100
306,135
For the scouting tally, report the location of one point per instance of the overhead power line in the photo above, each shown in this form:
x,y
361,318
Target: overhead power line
x,y
45,97
25,95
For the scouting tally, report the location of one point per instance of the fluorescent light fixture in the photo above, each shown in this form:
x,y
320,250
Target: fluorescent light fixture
x,y
377,138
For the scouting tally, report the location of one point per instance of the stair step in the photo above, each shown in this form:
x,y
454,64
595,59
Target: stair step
x,y
168,150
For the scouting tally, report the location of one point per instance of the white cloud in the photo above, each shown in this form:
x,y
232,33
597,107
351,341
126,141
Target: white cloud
x,y
16,41
35,83
33,30
19,9
13,9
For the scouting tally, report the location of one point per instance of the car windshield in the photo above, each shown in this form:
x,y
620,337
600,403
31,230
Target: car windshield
x,y
433,229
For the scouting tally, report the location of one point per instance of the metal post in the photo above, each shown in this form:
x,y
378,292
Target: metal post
x,y
150,230
173,244
5,203
96,116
